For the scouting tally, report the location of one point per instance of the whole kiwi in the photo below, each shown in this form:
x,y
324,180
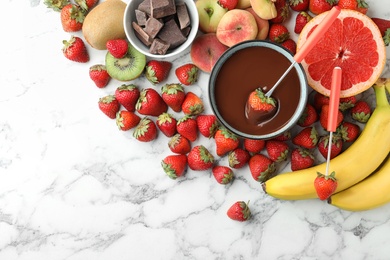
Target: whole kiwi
x,y
103,23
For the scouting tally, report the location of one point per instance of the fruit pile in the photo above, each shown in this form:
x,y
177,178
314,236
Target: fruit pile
x,y
176,112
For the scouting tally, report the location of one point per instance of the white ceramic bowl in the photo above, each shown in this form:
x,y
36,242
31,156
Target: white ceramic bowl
x,y
129,17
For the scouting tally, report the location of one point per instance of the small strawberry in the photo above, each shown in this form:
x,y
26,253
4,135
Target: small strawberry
x,y
278,33
173,95
290,45
307,137
308,117
228,4
157,71
325,185
127,96
179,144
192,104
384,28
167,124
207,125
238,158
348,131
301,20
361,112
319,100
56,5
99,75
261,167
200,159
320,6
324,115
285,136
277,151
187,74
357,5
117,47
174,165
301,158
347,103
188,128
150,103
239,211
335,149
222,174
109,105
258,101
146,130
299,5
74,49
225,141
126,120
282,11
87,5
72,18
254,145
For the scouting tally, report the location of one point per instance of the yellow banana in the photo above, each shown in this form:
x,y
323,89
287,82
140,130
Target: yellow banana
x,y
351,166
370,193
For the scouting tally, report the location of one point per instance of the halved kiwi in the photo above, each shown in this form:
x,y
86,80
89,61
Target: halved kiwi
x,y
127,68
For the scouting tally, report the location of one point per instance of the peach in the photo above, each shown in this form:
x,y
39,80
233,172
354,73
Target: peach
x,y
265,9
243,4
262,25
236,26
206,50
210,13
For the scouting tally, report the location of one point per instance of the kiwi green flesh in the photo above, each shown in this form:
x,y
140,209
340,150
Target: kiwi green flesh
x,y
127,68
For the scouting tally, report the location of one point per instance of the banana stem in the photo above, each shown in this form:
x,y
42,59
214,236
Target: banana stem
x,y
380,87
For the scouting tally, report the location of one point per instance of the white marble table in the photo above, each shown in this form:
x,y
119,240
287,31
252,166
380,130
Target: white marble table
x,y
72,186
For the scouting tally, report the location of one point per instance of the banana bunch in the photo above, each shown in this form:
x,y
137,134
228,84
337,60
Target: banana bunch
x,y
355,164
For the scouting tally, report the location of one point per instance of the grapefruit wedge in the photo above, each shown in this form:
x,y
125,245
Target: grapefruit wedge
x,y
353,43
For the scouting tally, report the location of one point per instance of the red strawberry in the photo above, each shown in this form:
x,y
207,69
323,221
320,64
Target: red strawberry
x,y
117,47
324,115
299,5
336,146
192,104
320,6
347,103
325,185
290,45
167,124
72,18
301,158
174,165
257,101
87,5
384,27
188,128
277,150
222,174
308,117
109,106
225,141
56,5
253,146
99,75
228,4
126,120
320,100
239,211
127,96
261,167
179,144
361,112
75,50
348,131
307,137
146,130
173,95
278,33
200,159
357,5
283,137
282,11
207,125
301,20
238,158
157,71
187,74
150,103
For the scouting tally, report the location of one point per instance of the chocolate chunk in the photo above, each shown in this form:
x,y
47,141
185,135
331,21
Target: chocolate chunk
x,y
159,47
141,17
144,6
161,8
182,15
171,34
153,26
141,34
186,31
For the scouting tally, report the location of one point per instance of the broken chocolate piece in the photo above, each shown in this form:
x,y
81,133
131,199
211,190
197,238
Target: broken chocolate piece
x,y
141,17
171,34
182,15
161,8
153,26
186,31
141,34
144,6
159,47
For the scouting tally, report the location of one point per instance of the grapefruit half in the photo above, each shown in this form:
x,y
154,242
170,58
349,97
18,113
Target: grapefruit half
x,y
353,43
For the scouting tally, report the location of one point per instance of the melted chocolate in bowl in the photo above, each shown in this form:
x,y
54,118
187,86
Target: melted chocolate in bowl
x,y
242,69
